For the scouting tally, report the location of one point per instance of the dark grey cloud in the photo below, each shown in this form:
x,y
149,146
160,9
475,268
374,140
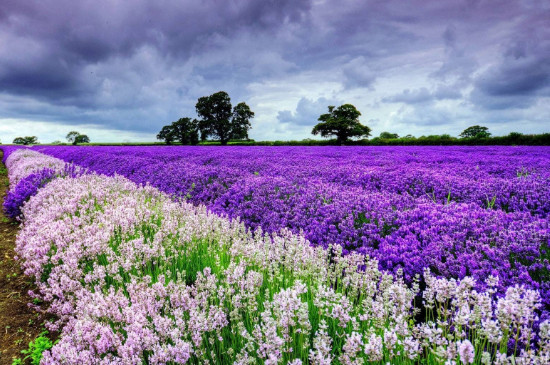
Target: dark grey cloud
x,y
521,74
71,35
517,75
458,64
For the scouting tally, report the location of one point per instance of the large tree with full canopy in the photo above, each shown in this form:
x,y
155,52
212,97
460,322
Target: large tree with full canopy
x,y
342,122
218,120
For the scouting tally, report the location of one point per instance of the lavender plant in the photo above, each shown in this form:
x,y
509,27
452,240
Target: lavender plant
x,y
28,172
25,188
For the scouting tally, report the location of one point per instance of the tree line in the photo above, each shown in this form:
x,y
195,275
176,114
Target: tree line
x,y
511,139
73,137
218,121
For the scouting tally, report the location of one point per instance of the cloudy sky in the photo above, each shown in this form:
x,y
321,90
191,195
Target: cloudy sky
x,y
120,70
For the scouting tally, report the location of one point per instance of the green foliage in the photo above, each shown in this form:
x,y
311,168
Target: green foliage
x,y
475,131
167,134
184,130
25,140
241,121
71,136
341,122
388,135
221,122
35,350
75,138
82,138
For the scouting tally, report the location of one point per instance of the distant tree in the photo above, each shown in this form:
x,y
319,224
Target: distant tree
x,y
186,130
219,121
341,122
241,121
75,138
475,131
71,136
515,137
167,134
388,135
19,140
81,138
25,140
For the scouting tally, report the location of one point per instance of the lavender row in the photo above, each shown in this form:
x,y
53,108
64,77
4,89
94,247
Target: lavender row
x,y
135,277
392,204
26,179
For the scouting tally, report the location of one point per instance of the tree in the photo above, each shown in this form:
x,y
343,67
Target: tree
x,y
388,135
218,120
341,122
515,136
81,138
186,130
71,136
167,134
19,140
25,140
475,131
75,138
241,121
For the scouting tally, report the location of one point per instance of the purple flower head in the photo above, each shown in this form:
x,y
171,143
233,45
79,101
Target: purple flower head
x,y
26,188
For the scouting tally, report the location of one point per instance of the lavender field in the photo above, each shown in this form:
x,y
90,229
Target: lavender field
x,y
288,255
457,210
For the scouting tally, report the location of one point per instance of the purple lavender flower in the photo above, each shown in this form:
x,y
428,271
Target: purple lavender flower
x,y
26,188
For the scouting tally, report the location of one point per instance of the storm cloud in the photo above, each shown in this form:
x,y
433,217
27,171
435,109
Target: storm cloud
x,y
411,67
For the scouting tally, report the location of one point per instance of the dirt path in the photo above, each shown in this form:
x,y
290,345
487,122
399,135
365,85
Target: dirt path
x,y
19,324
